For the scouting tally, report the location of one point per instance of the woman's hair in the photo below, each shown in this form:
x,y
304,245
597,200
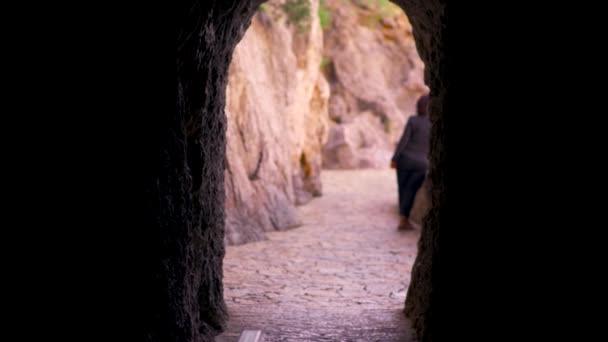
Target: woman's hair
x,y
422,106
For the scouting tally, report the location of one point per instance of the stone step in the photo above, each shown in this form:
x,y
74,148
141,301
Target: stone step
x,y
251,336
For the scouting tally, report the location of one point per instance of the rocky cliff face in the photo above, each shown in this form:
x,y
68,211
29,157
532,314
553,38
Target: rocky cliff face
x,y
376,77
286,121
276,105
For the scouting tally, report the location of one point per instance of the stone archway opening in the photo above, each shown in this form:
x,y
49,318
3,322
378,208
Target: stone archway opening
x,y
328,94
187,193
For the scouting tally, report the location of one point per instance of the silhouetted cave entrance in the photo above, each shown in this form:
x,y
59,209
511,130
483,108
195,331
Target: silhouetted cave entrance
x,y
187,188
303,92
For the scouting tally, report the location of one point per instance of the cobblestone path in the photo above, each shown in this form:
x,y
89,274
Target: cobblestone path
x,y
341,276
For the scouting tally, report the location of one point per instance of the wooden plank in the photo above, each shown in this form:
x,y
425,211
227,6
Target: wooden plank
x,y
251,336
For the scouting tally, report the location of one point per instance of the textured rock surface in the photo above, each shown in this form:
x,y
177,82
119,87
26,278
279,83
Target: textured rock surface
x,y
277,124
360,143
425,294
373,67
422,203
184,186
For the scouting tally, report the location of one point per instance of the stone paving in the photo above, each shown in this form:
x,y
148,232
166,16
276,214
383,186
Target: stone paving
x,y
341,276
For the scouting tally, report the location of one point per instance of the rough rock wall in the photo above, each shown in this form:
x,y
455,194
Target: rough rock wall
x,y
375,75
185,188
277,124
